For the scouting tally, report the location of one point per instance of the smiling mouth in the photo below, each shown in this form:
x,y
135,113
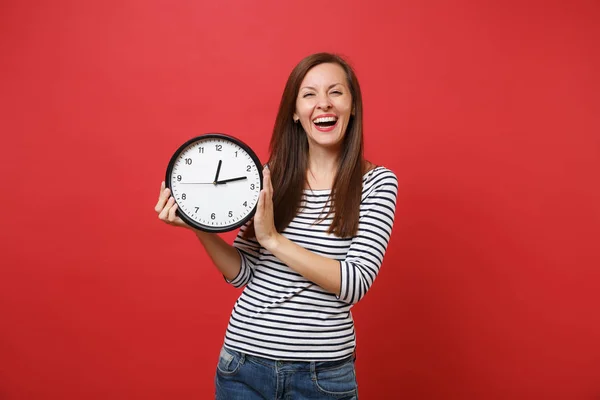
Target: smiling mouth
x,y
325,123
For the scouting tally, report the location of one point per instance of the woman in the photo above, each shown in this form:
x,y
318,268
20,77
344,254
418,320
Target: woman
x,y
312,250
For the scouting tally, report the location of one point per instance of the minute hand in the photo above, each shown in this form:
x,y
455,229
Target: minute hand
x,y
241,178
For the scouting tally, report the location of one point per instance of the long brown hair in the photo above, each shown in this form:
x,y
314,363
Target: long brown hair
x,y
288,159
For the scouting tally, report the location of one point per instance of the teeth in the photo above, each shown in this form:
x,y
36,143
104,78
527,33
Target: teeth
x,y
325,119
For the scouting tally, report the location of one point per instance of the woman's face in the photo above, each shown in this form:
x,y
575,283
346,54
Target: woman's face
x,y
324,105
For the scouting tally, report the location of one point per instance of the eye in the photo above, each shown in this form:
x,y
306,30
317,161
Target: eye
x,y
307,94
336,92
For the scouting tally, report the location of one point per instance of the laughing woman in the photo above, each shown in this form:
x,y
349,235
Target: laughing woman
x,y
313,249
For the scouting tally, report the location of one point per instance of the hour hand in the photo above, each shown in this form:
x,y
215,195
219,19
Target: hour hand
x,y
241,178
218,170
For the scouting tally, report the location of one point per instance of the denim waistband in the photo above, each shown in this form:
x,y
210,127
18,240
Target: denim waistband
x,y
292,365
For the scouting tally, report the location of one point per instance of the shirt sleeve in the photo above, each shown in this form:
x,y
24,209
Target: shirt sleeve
x,y
249,251
367,249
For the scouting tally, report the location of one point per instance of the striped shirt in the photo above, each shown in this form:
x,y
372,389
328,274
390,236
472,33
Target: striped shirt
x,y
283,316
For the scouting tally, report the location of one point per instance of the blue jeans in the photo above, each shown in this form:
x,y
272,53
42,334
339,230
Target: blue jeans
x,y
245,377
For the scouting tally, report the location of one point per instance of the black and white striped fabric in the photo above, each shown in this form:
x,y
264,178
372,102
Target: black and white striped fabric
x,y
281,315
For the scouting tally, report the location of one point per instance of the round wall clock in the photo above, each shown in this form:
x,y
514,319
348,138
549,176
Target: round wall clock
x,y
216,180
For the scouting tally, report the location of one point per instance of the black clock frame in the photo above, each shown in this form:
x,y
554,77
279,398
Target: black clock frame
x,y
188,220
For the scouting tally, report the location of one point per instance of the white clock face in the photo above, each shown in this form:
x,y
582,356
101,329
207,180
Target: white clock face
x,y
216,181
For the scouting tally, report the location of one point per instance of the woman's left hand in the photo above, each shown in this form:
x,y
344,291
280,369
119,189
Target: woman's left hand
x,y
264,225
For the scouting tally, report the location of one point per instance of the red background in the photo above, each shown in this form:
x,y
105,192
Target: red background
x,y
488,112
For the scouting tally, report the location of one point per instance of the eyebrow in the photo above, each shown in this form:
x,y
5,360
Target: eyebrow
x,y
330,86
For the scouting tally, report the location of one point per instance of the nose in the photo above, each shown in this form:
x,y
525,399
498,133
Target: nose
x,y
324,102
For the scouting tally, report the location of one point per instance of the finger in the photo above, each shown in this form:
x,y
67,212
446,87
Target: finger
x,y
267,181
162,199
260,207
172,216
270,182
162,188
164,214
268,188
269,203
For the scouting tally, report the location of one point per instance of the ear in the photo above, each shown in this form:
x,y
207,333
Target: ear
x,y
296,118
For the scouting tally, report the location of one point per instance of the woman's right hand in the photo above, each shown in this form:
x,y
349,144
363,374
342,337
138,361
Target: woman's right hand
x,y
166,208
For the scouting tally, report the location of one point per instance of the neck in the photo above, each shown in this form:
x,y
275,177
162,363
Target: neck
x,y
322,168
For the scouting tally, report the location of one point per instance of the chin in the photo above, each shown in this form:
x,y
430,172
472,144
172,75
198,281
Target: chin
x,y
330,144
